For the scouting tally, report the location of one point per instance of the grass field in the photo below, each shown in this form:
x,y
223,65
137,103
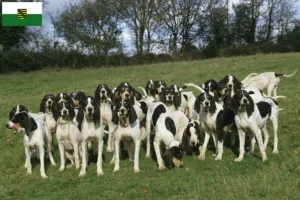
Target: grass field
x,y
277,178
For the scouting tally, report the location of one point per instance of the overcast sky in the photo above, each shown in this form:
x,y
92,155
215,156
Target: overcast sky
x,y
55,5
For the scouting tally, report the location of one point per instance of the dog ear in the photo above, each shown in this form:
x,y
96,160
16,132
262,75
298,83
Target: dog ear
x,y
97,116
168,156
250,107
212,107
55,111
96,94
177,100
238,85
28,124
197,105
115,116
71,109
79,117
162,97
132,115
42,106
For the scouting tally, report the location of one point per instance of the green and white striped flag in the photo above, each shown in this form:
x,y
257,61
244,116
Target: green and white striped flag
x,y
22,14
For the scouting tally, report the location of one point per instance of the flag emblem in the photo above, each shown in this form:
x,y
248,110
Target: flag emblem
x,y
22,13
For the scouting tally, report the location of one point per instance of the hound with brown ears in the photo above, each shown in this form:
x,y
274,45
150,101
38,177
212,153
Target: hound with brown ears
x,y
165,131
35,137
125,91
232,83
269,80
159,86
104,96
250,118
128,130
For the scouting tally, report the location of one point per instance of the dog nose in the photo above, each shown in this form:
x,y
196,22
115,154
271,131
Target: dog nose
x,y
206,103
181,166
65,112
90,109
49,102
230,85
245,100
102,91
127,95
122,111
193,143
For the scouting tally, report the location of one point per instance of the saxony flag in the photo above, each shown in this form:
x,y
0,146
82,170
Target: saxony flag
x,y
21,13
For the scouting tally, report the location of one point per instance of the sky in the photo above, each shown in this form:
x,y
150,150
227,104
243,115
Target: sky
x,y
55,5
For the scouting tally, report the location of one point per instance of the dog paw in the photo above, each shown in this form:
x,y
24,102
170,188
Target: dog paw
x,y
82,173
264,158
109,150
77,167
44,176
275,152
70,165
61,169
136,170
147,156
161,167
100,174
238,159
201,157
29,173
218,158
116,169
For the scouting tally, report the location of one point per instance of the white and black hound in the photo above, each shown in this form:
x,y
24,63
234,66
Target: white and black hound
x,y
62,96
159,86
128,130
257,96
165,132
35,137
192,138
104,96
20,108
46,106
232,83
269,80
127,92
217,121
155,109
91,130
68,134
150,88
250,118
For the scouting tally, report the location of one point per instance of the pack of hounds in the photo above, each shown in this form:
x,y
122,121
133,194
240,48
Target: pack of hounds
x,y
182,122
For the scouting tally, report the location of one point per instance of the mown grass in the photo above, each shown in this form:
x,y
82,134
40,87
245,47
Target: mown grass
x,y
277,178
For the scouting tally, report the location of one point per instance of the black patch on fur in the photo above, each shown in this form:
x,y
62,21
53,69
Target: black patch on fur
x,y
79,117
115,117
213,86
274,101
170,153
14,110
132,115
250,107
277,75
170,125
250,92
186,97
144,106
264,108
157,112
25,121
197,104
177,100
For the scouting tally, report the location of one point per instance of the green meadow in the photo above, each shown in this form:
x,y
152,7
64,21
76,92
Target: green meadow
x,y
277,178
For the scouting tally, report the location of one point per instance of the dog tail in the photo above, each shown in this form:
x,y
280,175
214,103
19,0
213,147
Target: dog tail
x,y
286,75
195,86
144,91
278,97
247,78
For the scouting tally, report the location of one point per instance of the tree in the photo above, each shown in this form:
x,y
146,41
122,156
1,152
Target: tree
x,y
91,25
242,23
